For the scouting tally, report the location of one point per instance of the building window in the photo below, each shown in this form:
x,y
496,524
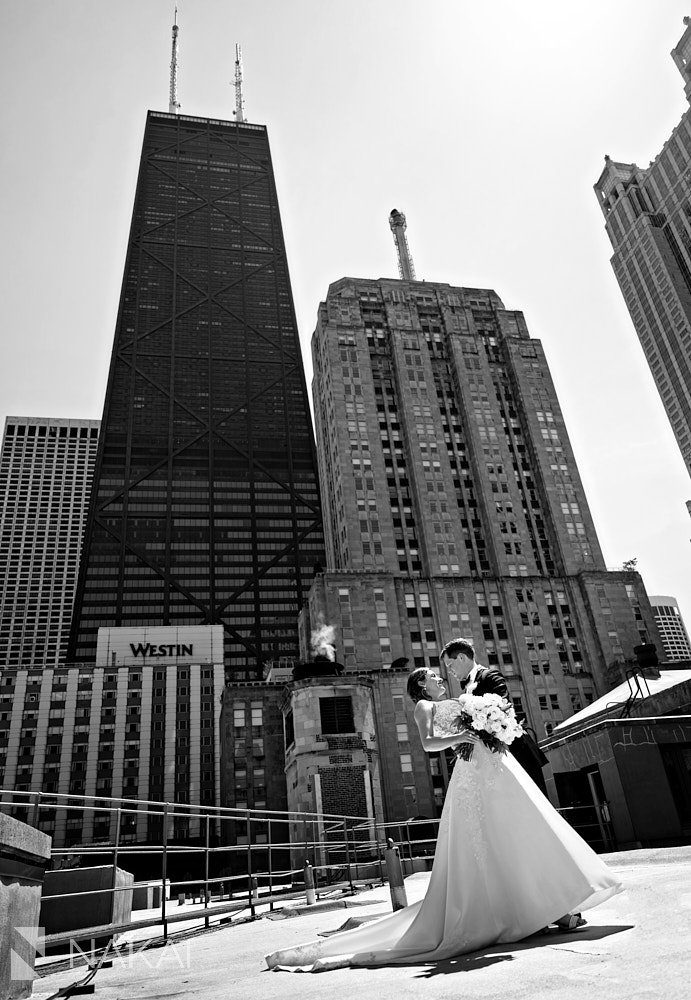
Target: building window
x,y
410,795
336,715
290,729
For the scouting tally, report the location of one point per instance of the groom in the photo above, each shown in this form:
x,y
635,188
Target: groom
x,y
458,656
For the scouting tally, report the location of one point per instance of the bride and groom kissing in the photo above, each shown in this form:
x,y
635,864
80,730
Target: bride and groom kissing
x,y
506,864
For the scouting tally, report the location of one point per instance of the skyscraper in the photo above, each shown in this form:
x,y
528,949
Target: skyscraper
x,y
205,507
675,638
648,220
46,470
453,504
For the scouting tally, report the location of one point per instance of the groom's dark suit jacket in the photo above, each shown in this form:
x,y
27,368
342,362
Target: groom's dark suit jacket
x,y
525,750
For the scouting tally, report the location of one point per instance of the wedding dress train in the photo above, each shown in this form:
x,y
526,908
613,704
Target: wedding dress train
x,y
506,864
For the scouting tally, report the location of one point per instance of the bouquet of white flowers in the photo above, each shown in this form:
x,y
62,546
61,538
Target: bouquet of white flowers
x,y
492,718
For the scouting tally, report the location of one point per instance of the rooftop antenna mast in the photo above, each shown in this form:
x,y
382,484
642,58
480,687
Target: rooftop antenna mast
x,y
397,222
173,103
239,101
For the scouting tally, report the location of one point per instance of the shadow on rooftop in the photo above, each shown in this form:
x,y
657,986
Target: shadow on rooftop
x,y
492,956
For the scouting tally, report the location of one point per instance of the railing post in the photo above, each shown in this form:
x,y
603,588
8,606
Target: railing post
x,y
605,825
115,864
250,893
116,847
164,871
598,809
347,847
206,873
315,860
270,864
399,899
377,848
309,884
33,821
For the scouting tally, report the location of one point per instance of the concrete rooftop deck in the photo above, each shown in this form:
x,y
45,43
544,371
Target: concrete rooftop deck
x,y
636,945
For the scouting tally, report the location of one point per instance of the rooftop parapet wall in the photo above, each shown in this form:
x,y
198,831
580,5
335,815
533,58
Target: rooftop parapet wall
x,y
24,856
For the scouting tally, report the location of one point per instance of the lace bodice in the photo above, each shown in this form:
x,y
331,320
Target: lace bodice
x,y
446,714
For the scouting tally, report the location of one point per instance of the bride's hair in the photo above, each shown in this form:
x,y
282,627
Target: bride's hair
x,y
416,682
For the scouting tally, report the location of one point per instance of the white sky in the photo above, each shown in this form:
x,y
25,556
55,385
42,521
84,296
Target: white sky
x,y
486,123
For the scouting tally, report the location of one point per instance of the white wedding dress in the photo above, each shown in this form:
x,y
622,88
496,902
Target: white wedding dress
x,y
506,865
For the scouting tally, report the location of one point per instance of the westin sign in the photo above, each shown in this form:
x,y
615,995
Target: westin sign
x,y
161,649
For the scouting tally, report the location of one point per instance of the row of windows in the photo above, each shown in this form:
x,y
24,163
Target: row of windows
x,y
40,430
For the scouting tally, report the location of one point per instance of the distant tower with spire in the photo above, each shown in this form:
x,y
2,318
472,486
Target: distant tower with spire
x,y
397,222
173,103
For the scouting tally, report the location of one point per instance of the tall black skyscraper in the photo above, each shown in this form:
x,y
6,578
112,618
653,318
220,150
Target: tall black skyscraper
x,y
205,506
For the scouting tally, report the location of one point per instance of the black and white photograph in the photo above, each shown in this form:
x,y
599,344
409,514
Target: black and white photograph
x,y
345,513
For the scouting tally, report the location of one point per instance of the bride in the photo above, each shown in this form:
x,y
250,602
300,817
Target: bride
x,y
505,866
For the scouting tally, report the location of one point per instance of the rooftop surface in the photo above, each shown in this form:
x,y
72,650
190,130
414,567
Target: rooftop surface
x,y
635,946
646,688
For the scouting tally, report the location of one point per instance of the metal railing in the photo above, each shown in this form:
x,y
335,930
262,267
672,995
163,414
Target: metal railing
x,y
593,823
243,862
240,861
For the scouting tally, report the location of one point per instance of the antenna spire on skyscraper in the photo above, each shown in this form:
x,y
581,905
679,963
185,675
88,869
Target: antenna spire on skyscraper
x,y
397,222
173,103
239,101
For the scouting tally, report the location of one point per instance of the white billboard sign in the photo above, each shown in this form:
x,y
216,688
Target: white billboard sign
x,y
159,644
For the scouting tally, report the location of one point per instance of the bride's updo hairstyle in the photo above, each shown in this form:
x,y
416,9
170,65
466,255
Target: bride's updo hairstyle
x,y
416,684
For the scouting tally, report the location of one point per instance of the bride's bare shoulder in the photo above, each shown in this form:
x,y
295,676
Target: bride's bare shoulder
x,y
423,709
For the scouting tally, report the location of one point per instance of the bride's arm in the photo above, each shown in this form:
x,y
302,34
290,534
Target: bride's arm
x,y
424,716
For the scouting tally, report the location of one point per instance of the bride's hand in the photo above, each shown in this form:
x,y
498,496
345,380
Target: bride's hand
x,y
469,736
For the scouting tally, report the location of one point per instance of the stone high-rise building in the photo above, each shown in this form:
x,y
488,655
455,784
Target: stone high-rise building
x,y
46,468
647,212
205,507
452,500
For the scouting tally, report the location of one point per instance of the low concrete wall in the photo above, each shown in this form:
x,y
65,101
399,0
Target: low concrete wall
x,y
146,896
24,855
90,908
410,866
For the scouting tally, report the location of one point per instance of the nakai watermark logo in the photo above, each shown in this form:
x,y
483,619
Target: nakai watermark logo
x,y
29,943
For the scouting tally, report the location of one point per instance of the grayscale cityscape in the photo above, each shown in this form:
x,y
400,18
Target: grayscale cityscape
x,y
360,583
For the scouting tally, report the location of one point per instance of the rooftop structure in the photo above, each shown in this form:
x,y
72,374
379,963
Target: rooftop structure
x,y
398,226
173,103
